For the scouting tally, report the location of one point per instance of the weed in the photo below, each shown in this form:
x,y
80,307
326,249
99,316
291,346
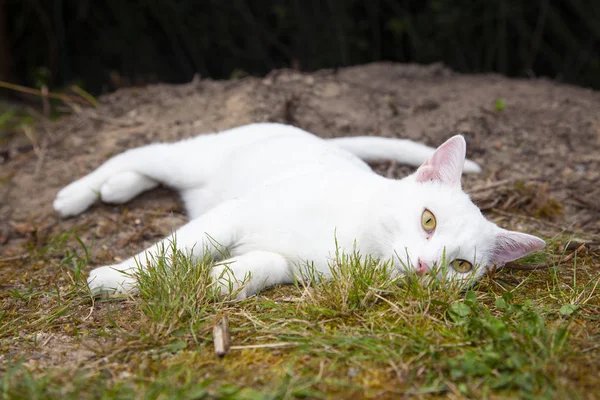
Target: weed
x,y
499,105
368,332
356,282
514,347
175,290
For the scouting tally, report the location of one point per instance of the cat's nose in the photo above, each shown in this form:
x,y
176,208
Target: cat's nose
x,y
422,268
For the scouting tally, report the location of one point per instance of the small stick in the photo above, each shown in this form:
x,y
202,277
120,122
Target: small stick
x,y
526,218
390,171
221,336
489,186
544,266
493,185
263,346
573,254
45,102
14,258
24,89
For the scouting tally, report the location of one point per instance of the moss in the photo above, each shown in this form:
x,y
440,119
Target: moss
x,y
535,199
417,339
549,209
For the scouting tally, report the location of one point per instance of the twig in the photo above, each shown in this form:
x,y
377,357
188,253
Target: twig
x,y
503,182
590,349
45,102
90,113
24,89
585,202
390,171
222,339
263,346
39,151
543,266
14,258
527,218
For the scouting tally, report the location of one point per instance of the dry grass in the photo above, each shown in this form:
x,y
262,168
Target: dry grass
x,y
520,334
364,334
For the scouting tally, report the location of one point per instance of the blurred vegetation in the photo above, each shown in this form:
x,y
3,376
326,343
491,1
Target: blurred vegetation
x,y
101,45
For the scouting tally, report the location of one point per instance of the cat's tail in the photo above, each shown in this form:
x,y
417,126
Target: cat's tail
x,y
370,148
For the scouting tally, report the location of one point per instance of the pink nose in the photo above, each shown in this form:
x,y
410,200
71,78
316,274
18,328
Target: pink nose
x,y
422,268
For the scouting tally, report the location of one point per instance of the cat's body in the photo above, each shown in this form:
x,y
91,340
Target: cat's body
x,y
278,197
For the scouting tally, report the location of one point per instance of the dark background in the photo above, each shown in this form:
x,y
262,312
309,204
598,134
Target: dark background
x,y
102,45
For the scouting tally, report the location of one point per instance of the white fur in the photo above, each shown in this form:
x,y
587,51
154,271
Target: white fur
x,y
369,148
278,197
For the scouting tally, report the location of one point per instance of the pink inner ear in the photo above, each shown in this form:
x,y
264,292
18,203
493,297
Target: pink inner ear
x,y
446,164
512,245
427,173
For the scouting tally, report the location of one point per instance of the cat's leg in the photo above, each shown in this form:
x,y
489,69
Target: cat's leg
x,y
207,235
124,186
117,180
130,173
119,188
248,273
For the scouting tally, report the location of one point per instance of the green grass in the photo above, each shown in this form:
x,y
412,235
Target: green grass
x,y
365,334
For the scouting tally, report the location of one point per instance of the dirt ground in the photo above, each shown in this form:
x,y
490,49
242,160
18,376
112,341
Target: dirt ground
x,y
547,136
540,152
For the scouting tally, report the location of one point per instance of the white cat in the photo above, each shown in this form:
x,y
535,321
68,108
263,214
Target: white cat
x,y
277,197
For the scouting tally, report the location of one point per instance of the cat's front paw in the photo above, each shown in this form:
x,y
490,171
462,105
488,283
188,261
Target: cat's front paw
x,y
228,285
109,280
74,199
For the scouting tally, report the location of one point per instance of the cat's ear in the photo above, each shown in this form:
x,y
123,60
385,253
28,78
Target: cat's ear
x,y
510,245
446,164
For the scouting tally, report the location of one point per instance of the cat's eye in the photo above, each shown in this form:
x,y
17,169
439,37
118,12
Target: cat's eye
x,y
428,221
461,266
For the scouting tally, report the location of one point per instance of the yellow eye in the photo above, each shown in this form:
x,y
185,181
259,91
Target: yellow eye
x,y
428,221
461,266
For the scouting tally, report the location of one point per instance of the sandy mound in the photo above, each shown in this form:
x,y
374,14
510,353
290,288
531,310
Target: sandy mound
x,y
541,153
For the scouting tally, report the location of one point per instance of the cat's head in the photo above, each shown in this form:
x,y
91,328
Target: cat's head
x,y
446,225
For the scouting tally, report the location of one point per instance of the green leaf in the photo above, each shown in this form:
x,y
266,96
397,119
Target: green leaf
x,y
471,297
175,346
501,303
500,105
568,309
459,311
